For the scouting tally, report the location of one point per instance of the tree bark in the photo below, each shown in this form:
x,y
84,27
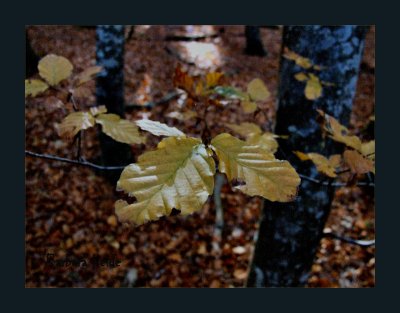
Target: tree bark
x,y
110,90
254,44
289,233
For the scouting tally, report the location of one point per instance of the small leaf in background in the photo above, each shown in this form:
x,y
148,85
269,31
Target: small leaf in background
x,y
313,88
231,93
262,174
300,61
182,116
119,129
368,150
301,76
339,132
98,110
179,174
54,68
357,163
265,141
213,78
245,129
74,123
159,129
33,87
257,90
248,106
182,80
88,74
324,165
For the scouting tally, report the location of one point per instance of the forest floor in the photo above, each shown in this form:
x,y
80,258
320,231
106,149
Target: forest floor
x,y
70,209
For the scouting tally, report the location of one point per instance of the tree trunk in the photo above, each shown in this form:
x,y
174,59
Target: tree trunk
x,y
31,59
289,233
110,89
254,44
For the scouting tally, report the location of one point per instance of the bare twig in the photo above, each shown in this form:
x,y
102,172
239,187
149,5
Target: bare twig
x,y
362,243
149,105
333,184
219,213
81,162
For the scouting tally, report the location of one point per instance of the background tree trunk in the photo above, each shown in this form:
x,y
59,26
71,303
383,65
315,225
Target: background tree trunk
x,y
110,89
289,233
254,44
31,59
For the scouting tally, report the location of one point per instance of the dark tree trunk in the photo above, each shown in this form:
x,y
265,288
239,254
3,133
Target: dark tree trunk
x,y
254,44
110,89
31,59
289,233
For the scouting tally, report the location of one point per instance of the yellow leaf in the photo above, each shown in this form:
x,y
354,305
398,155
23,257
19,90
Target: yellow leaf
x,y
301,76
313,88
33,87
357,163
265,141
88,74
257,90
245,129
158,129
119,129
212,79
300,61
261,173
74,123
324,165
54,68
182,116
339,132
248,106
98,110
368,150
179,174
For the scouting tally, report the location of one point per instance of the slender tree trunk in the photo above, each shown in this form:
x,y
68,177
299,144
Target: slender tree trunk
x,y
110,89
31,59
254,44
289,233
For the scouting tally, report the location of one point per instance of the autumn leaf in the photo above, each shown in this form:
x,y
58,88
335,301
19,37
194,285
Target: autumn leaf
x,y
231,93
98,110
33,87
74,123
368,150
339,132
257,90
245,129
182,80
119,129
248,106
179,174
213,78
159,129
262,174
357,163
265,141
324,165
54,68
299,60
313,88
301,77
88,74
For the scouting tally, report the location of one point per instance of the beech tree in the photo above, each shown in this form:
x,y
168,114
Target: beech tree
x,y
110,41
319,70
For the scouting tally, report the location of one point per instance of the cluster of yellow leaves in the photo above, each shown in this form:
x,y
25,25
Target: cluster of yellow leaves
x,y
180,173
119,129
298,59
53,69
360,158
323,164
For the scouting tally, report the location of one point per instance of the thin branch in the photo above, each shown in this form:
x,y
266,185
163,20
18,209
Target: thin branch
x,y
334,184
79,137
190,37
362,243
219,213
76,162
149,105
